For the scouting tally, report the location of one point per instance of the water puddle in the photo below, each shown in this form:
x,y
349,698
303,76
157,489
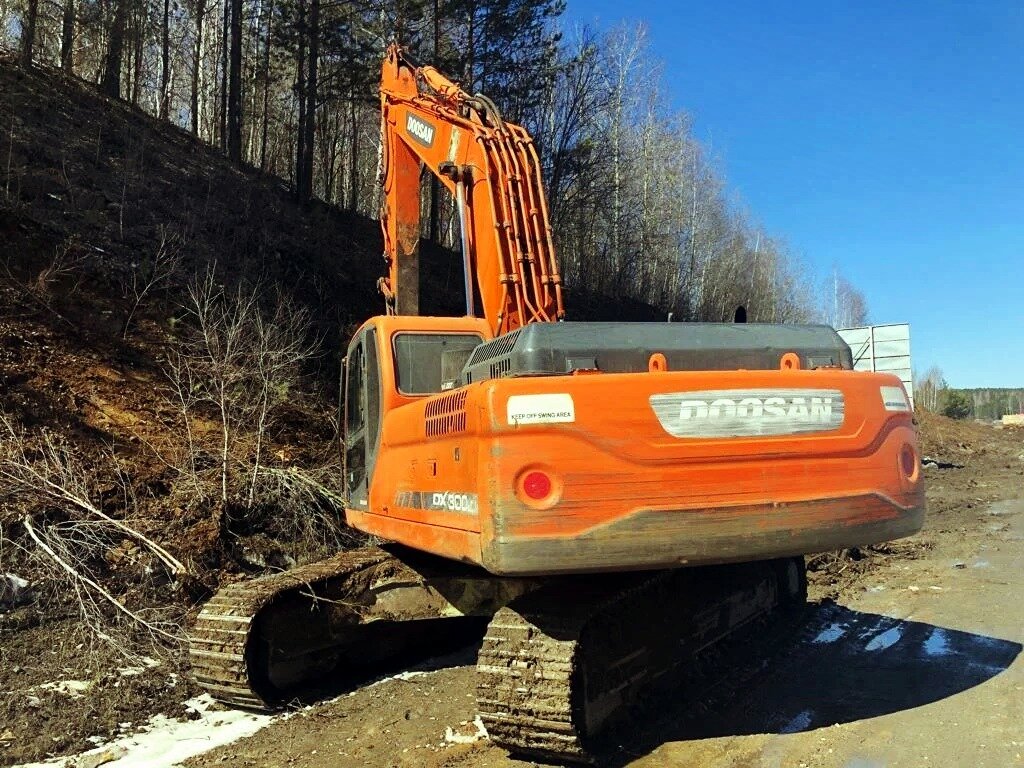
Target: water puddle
x,y
830,634
885,640
937,643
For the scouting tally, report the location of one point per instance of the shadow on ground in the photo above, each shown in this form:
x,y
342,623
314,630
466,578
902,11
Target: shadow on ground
x,y
847,666
385,649
842,666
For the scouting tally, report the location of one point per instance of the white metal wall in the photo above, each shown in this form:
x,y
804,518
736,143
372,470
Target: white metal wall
x,y
884,348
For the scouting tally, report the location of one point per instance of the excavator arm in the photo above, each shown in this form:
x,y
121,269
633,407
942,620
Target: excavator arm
x,y
492,170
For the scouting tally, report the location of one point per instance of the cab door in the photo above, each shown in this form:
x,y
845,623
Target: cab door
x,y
362,417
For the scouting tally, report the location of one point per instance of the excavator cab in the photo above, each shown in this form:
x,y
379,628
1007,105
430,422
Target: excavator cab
x,y
393,361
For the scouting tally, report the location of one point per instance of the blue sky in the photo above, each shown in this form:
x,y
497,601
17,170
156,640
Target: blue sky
x,y
886,138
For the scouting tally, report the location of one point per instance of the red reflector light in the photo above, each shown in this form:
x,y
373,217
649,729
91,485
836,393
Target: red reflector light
x,y
537,485
908,459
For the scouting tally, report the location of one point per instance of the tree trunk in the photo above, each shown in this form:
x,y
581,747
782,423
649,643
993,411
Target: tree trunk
x,y
225,24
197,64
28,33
252,83
111,82
137,35
353,177
67,37
235,85
471,37
165,63
266,92
309,127
300,93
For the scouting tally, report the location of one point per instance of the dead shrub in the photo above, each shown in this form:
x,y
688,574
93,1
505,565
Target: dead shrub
x,y
236,366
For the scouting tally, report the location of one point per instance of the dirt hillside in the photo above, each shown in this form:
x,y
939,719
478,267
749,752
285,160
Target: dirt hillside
x,y
95,198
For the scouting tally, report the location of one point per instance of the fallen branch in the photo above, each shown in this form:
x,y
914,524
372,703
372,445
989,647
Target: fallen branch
x,y
90,583
59,492
59,479
298,479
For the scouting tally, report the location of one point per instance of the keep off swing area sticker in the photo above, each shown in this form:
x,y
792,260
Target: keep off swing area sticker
x,y
541,409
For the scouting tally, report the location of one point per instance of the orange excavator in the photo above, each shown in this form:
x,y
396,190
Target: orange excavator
x,y
615,497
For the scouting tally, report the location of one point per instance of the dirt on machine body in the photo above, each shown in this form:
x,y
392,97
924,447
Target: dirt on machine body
x,y
617,498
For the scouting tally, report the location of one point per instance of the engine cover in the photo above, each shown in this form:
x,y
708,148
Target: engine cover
x,y
548,349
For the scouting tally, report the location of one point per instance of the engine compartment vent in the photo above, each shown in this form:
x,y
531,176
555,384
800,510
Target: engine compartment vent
x,y
446,415
495,347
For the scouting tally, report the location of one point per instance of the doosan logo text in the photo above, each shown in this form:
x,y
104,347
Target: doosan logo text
x,y
420,130
749,412
811,409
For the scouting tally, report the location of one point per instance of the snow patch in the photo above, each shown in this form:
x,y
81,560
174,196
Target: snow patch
x,y
798,723
405,675
14,591
144,663
453,736
409,675
885,640
164,742
75,689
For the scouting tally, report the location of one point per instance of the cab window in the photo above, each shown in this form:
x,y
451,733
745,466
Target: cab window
x,y
354,390
418,358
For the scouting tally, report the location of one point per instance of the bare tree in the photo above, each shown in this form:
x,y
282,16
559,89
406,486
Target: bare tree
x,y
150,274
239,362
67,36
165,61
845,305
28,33
623,52
111,81
234,102
929,389
198,70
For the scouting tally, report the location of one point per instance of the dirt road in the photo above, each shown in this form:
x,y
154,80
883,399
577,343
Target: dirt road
x,y
917,662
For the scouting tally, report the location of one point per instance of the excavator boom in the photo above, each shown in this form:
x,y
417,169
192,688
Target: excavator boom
x,y
491,169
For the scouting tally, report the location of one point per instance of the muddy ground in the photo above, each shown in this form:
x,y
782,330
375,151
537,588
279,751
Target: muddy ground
x,y
912,657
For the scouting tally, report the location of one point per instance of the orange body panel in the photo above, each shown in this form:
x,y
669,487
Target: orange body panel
x,y
626,494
